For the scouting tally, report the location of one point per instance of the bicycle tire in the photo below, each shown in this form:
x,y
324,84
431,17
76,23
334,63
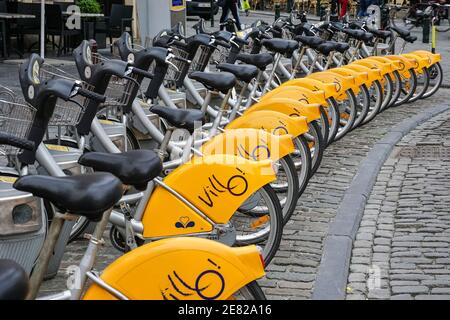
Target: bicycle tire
x,y
253,289
302,162
397,81
435,72
334,118
364,105
351,111
319,146
376,101
270,235
421,88
288,206
408,93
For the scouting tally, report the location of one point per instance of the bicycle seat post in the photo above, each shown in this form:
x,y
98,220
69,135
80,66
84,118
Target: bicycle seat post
x,y
272,72
162,152
44,258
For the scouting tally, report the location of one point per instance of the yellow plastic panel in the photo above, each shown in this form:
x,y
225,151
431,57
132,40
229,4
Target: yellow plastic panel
x,y
180,269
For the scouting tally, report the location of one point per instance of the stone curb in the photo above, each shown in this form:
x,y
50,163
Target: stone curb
x,y
332,275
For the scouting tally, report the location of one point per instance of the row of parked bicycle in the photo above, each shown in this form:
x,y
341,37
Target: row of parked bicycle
x,y
221,177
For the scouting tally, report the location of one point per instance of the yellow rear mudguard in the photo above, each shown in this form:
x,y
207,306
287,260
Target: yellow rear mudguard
x,y
298,93
342,82
406,64
274,122
421,62
329,89
217,185
372,74
395,65
432,57
180,269
252,144
290,107
359,77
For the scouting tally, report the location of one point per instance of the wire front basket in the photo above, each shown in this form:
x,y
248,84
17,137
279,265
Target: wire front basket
x,y
220,55
120,91
16,119
66,113
201,58
173,74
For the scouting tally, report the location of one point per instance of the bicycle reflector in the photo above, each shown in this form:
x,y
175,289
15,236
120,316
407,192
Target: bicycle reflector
x,y
261,257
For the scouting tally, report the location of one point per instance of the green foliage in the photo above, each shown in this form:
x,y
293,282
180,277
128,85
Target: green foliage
x,y
89,6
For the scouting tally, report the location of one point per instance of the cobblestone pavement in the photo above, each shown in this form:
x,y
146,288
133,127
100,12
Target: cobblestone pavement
x,y
402,247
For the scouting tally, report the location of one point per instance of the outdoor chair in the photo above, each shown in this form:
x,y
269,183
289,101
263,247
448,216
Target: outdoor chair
x,y
25,27
56,26
120,20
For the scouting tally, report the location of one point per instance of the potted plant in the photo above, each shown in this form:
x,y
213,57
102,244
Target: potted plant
x,y
89,6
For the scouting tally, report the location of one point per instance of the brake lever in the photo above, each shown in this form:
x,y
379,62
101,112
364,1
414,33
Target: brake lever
x,y
170,56
233,42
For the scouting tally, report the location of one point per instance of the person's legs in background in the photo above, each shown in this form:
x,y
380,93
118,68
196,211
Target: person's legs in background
x,y
235,13
362,8
224,16
344,4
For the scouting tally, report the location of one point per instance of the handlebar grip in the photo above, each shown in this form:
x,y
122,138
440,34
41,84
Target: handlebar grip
x,y
222,44
177,43
181,59
143,73
91,95
265,36
16,142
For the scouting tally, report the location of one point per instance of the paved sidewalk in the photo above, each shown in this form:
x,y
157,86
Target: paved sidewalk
x,y
402,249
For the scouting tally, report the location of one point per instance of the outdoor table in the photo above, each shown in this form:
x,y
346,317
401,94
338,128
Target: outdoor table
x,y
85,17
10,16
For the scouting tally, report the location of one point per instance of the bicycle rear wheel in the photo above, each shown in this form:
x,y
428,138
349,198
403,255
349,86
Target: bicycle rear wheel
x,y
436,77
286,186
251,291
376,101
363,105
423,81
397,82
347,114
316,145
259,220
408,87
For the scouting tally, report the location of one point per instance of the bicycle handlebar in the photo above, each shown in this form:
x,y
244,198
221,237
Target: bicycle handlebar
x,y
16,142
91,95
143,73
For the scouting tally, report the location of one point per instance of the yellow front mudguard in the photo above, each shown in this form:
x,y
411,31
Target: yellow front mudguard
x,y
290,107
180,269
432,57
342,82
252,144
276,123
297,93
217,185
